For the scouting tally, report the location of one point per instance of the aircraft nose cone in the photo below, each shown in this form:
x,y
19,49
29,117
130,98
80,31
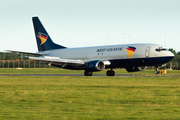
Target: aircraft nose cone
x,y
171,54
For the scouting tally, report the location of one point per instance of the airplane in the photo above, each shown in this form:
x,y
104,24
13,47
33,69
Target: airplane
x,y
132,57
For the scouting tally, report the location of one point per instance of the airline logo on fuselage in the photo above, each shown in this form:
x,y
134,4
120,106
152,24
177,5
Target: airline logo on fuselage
x,y
109,49
130,50
43,37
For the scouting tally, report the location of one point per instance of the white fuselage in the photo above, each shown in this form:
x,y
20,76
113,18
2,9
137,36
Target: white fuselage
x,y
109,52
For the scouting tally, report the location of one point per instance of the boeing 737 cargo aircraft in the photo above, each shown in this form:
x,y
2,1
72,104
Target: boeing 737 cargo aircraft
x,y
132,57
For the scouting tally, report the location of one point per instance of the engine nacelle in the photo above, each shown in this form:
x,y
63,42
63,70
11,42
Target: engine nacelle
x,y
95,65
135,69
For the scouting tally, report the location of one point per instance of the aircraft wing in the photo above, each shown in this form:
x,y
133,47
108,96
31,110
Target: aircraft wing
x,y
56,61
31,53
64,63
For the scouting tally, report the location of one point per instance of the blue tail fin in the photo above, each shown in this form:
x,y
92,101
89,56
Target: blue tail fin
x,y
44,42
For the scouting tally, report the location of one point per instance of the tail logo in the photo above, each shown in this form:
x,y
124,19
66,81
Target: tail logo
x,y
43,37
130,50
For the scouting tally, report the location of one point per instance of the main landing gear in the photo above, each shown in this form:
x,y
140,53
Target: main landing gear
x,y
87,73
157,71
108,73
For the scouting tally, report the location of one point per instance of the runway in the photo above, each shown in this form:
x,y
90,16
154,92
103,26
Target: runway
x,y
82,75
97,75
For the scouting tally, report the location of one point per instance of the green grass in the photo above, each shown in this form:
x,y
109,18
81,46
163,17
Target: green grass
x,y
94,98
64,71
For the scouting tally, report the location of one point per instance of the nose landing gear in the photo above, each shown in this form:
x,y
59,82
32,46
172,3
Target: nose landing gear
x,y
157,70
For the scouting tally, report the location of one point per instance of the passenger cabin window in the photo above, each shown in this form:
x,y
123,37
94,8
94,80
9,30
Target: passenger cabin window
x,y
161,49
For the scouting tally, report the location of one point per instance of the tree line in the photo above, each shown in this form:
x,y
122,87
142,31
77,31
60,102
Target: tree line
x,y
11,56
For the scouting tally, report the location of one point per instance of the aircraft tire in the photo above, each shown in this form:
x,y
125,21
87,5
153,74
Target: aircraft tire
x,y
88,73
157,72
110,73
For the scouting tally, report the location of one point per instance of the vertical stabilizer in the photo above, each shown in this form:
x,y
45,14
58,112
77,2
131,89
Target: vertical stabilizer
x,y
44,41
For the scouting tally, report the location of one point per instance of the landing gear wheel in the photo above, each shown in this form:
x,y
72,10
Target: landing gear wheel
x,y
87,73
157,71
110,73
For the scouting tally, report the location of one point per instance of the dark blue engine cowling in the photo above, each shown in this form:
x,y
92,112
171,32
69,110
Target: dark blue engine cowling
x,y
135,69
95,65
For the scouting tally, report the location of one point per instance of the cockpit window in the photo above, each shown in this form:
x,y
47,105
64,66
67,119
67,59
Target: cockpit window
x,y
161,49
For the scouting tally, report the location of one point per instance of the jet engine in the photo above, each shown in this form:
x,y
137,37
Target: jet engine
x,y
95,65
135,69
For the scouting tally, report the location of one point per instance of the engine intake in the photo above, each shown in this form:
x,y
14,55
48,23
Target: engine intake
x,y
95,65
135,69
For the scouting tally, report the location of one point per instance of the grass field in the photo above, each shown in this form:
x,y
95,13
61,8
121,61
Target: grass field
x,y
92,98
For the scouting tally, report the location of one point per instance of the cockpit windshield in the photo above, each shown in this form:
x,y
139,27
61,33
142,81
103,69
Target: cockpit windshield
x,y
161,49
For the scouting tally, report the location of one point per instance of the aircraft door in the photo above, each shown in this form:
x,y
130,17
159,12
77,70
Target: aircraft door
x,y
147,51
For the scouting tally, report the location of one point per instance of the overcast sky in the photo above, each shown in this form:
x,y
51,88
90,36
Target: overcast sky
x,y
81,23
